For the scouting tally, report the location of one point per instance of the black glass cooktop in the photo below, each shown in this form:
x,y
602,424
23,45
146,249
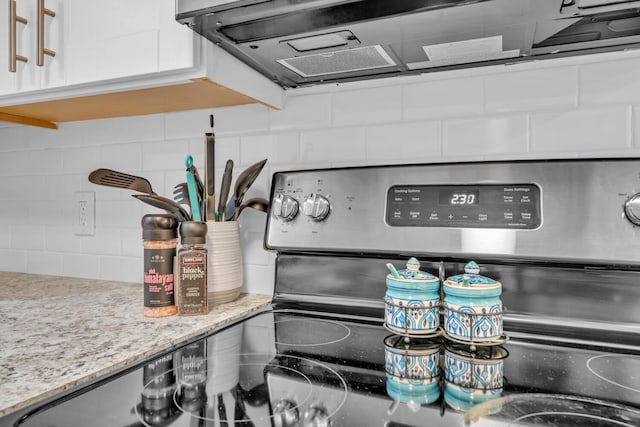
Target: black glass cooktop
x,y
298,369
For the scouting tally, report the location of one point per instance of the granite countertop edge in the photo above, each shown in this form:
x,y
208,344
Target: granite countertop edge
x,y
51,335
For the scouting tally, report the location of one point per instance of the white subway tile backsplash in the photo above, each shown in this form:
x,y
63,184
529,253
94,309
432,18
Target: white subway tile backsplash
x,y
106,241
149,127
227,148
417,141
277,147
13,260
301,112
40,262
367,106
81,265
582,130
253,249
62,239
590,110
614,82
258,279
163,155
131,242
532,90
115,213
27,236
121,156
485,136
341,144
188,124
5,235
81,159
443,98
122,269
241,119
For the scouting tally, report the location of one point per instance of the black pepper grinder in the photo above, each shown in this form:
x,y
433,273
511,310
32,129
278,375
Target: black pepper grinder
x,y
192,269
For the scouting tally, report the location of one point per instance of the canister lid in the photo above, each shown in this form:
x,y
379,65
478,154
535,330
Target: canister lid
x,y
193,232
472,278
159,227
412,272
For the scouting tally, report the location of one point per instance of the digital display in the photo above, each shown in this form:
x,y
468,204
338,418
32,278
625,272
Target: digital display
x,y
459,197
508,206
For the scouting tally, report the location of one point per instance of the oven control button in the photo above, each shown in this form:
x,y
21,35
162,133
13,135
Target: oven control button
x,y
285,414
316,416
316,207
285,207
632,209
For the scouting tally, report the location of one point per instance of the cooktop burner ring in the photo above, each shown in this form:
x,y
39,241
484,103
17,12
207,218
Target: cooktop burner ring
x,y
557,410
335,329
593,369
571,414
306,398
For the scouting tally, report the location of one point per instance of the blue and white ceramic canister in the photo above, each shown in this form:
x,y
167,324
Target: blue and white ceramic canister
x,y
411,300
472,306
473,377
412,369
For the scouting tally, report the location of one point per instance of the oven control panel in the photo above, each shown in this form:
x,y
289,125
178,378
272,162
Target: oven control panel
x,y
581,210
508,206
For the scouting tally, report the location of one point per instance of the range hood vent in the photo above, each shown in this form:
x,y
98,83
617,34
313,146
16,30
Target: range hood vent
x,y
300,43
341,61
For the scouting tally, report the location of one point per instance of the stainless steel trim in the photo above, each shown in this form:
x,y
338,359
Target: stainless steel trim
x,y
582,203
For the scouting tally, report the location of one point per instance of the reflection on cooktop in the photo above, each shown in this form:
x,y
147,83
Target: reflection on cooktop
x,y
294,369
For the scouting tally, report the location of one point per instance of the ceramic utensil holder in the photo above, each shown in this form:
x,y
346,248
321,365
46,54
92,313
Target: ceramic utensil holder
x,y
224,275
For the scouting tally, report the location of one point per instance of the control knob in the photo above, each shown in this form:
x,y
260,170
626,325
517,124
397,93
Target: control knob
x,y
285,414
316,207
284,207
632,209
316,416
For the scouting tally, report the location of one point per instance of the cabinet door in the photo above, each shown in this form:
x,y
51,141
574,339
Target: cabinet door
x,y
121,38
28,76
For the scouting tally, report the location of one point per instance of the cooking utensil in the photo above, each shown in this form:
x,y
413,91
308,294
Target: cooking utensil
x,y
181,193
257,203
164,203
193,192
209,173
112,178
244,181
225,187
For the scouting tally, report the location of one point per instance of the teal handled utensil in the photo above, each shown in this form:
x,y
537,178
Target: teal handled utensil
x,y
393,270
193,192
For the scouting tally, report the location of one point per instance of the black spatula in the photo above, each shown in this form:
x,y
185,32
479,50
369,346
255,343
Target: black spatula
x,y
112,178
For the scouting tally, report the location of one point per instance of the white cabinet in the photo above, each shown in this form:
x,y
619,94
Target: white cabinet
x,y
120,57
123,38
28,76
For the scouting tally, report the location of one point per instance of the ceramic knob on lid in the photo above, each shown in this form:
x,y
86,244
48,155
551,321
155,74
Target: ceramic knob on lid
x,y
472,306
411,300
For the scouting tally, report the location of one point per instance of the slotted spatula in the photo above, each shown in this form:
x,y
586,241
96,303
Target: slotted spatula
x,y
112,178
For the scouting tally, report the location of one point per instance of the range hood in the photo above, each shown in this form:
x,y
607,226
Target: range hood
x,y
301,43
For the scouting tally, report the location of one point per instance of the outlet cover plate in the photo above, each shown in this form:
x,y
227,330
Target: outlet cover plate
x,y
84,213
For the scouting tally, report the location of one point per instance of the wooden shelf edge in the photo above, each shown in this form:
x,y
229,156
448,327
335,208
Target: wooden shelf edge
x,y
29,121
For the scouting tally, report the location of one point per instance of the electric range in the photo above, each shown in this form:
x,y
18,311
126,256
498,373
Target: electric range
x,y
561,237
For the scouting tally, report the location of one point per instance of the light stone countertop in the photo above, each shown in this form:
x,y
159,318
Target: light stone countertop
x,y
58,332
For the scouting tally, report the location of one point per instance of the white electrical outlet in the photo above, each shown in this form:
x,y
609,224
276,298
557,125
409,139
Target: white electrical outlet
x,y
84,213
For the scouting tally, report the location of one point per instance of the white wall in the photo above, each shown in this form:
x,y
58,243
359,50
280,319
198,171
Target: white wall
x,y
567,108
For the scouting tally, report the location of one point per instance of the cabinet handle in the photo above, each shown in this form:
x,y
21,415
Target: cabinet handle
x,y
13,35
42,51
